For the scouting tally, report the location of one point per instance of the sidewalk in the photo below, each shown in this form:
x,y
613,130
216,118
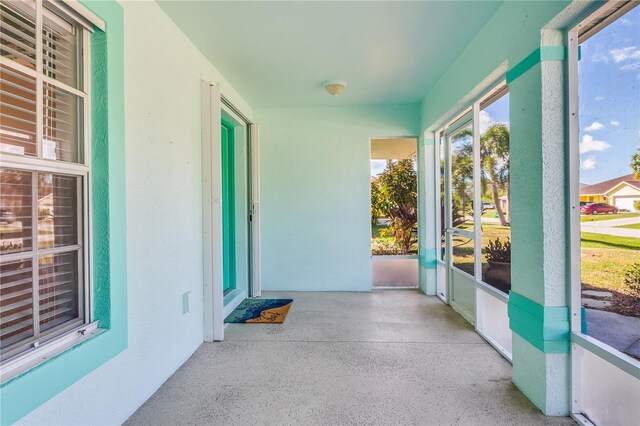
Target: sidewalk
x,y
618,331
610,227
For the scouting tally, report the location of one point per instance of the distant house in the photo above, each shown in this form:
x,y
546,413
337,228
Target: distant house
x,y
620,192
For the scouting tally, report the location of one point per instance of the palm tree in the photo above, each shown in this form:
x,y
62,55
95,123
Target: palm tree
x,y
494,161
635,164
494,157
462,173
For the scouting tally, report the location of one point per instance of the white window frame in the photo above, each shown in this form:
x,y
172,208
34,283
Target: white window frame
x,y
467,110
472,109
588,343
24,357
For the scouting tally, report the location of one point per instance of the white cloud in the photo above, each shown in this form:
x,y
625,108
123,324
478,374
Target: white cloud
x,y
625,54
599,98
634,66
589,144
596,125
485,121
629,55
588,163
599,58
615,123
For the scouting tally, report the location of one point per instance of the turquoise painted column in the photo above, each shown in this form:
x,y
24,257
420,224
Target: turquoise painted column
x,y
538,304
427,213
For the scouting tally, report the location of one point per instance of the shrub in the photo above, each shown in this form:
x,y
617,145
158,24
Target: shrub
x,y
497,251
386,246
636,205
632,279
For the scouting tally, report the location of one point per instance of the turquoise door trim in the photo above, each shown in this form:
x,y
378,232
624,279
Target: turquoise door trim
x,y
24,393
228,207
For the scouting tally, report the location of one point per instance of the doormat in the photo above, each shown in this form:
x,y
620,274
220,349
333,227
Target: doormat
x,y
272,311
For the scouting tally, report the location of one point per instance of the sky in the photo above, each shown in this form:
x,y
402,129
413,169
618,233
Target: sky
x,y
609,92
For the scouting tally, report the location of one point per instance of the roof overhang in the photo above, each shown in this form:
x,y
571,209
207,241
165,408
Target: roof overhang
x,y
620,185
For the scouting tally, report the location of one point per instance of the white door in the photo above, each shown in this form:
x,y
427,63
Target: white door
x,y
459,216
214,109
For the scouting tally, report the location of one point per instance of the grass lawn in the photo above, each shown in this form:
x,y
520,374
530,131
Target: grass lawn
x,y
598,217
606,259
590,240
632,226
490,213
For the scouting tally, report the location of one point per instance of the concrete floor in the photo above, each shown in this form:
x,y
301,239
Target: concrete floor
x,y
386,357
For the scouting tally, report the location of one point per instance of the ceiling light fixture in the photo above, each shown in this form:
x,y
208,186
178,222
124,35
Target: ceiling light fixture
x,y
335,87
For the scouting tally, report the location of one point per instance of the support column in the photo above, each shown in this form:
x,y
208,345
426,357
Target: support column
x,y
538,302
427,213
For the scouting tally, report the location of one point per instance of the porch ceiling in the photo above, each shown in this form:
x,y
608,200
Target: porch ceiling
x,y
393,149
277,54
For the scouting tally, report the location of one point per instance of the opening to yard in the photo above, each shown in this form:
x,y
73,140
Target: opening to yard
x,y
394,197
394,212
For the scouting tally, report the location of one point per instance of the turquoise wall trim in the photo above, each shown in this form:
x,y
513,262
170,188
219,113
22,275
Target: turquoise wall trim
x,y
545,327
427,257
31,389
430,140
543,53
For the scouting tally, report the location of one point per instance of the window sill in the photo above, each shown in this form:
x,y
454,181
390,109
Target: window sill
x,y
24,362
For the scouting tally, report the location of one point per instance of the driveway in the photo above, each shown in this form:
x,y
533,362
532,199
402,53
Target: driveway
x,y
610,227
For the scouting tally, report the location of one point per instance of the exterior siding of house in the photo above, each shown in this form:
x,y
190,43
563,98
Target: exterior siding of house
x,y
624,197
593,198
162,103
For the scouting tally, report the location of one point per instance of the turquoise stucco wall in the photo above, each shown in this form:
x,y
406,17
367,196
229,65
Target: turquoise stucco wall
x,y
25,392
315,177
160,95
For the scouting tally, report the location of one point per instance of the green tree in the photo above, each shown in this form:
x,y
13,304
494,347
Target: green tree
x,y
395,194
494,159
462,177
379,202
635,164
494,156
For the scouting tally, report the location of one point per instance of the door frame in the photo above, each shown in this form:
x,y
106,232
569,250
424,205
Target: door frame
x,y
213,103
445,269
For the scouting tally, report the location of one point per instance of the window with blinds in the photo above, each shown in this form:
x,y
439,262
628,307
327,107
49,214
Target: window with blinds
x,y
44,176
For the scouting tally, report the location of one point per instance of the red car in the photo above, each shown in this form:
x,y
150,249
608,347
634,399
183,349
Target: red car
x,y
598,208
